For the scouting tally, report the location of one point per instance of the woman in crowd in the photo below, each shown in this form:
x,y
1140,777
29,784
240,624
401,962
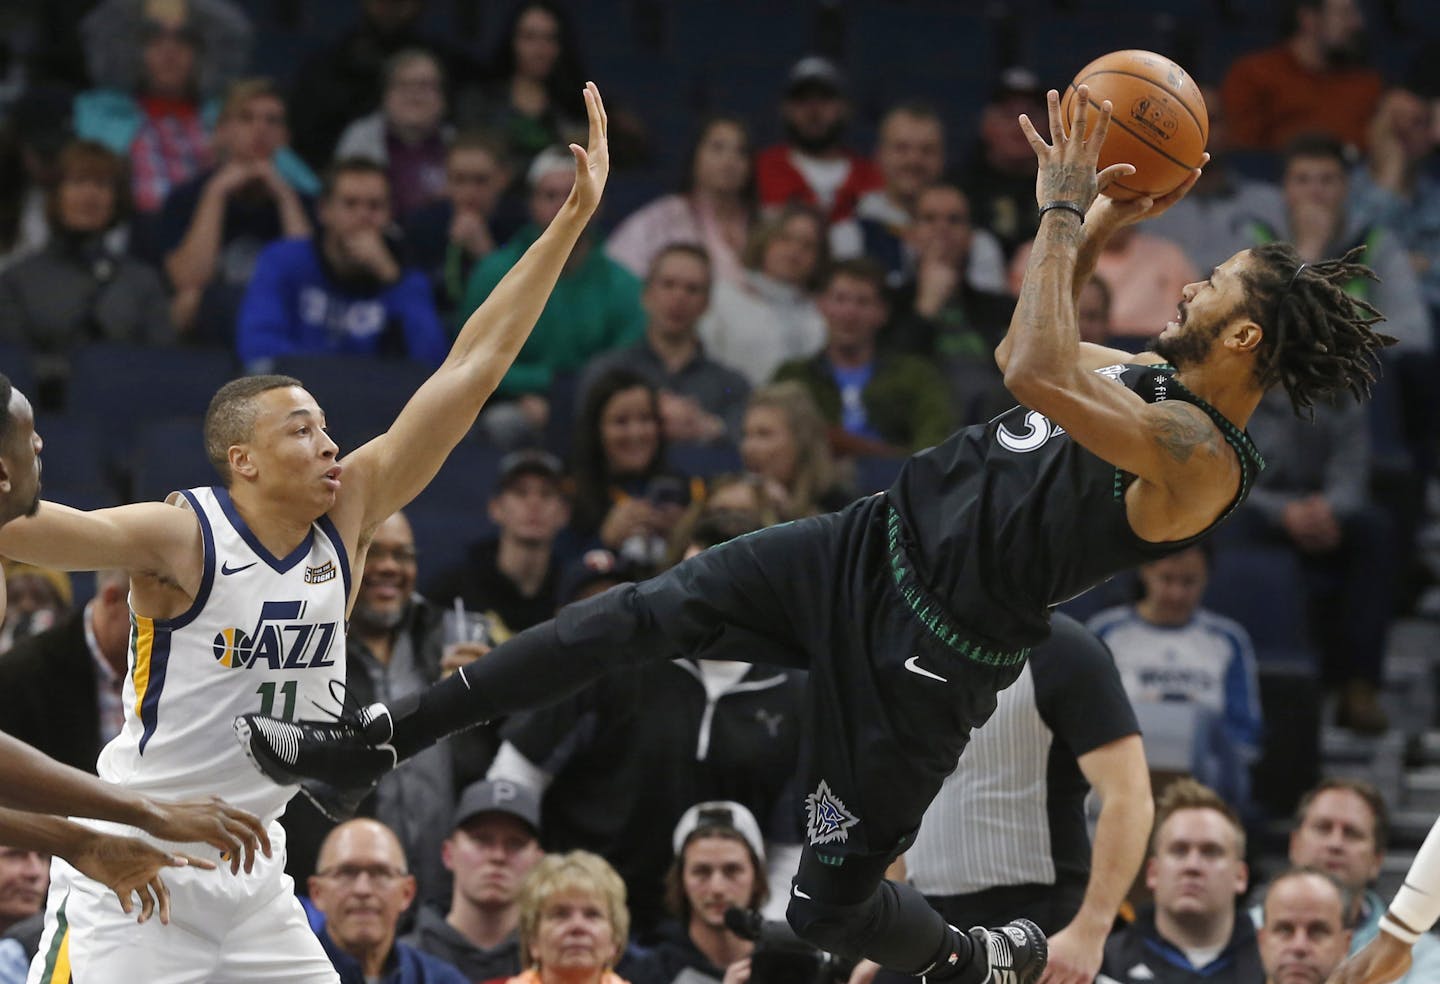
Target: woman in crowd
x,y
533,96
79,288
785,441
625,495
407,135
573,921
770,316
714,208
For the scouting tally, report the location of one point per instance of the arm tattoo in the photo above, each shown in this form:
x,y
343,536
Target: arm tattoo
x,y
1180,430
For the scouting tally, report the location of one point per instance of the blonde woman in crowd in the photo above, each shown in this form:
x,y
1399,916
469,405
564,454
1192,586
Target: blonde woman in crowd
x,y
785,439
573,921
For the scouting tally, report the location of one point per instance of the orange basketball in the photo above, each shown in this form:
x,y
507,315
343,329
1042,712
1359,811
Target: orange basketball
x,y
1159,123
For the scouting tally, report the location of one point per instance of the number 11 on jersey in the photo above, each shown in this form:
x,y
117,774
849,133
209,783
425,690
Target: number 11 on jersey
x,y
267,699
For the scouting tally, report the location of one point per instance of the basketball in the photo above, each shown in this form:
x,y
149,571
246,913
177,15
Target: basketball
x,y
1159,122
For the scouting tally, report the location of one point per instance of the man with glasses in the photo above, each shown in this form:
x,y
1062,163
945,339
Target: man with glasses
x,y
362,888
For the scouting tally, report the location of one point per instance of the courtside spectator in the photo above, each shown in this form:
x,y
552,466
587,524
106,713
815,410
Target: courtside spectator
x,y
514,578
213,226
877,403
714,208
343,291
493,846
79,288
1315,80
770,316
701,400
813,166
407,135
1169,648
448,237
362,888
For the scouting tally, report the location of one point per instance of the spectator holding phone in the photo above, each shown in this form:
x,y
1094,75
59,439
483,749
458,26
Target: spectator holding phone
x,y
626,497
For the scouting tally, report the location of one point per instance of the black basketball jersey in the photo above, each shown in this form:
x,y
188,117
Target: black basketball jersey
x,y
1004,520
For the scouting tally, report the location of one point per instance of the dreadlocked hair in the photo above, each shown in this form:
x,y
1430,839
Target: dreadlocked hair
x,y
1319,340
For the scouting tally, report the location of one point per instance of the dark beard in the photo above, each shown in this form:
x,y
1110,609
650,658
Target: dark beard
x,y
828,140
1187,349
1354,53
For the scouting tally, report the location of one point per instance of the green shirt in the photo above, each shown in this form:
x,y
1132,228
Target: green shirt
x,y
594,308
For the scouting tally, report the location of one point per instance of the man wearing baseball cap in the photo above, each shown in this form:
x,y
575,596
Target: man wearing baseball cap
x,y
494,844
719,864
813,165
514,577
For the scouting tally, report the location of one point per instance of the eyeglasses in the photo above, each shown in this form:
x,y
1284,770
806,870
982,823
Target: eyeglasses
x,y
382,875
400,555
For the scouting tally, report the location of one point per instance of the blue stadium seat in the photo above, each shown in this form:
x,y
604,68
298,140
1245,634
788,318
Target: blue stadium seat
x,y
876,474
704,460
15,365
170,455
73,455
1261,588
360,395
465,482
123,387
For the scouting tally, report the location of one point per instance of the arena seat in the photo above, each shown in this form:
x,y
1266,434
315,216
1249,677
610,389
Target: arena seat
x,y
704,460
1260,587
876,473
443,537
169,454
360,395
465,482
123,387
16,366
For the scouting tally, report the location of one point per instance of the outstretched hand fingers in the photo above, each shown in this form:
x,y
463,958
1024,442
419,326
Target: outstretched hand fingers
x,y
1059,133
1037,142
1111,174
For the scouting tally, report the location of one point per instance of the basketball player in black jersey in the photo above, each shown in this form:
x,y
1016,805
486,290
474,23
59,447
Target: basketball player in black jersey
x,y
912,608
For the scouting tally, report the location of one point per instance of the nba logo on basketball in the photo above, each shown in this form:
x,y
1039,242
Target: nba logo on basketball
x,y
1155,116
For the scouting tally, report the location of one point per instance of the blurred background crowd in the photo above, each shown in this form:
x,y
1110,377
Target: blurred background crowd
x,y
818,215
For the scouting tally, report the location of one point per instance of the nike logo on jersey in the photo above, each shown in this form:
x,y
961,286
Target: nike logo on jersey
x,y
798,894
225,567
913,665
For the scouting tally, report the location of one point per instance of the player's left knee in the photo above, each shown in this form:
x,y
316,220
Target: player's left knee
x,y
842,929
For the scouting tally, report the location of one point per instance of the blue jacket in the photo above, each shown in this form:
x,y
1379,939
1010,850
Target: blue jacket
x,y
405,965
293,307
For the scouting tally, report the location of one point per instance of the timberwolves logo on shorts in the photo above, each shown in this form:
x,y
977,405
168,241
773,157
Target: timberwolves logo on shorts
x,y
827,821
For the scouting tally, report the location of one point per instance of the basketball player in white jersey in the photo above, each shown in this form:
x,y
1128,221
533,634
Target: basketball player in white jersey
x,y
33,784
239,595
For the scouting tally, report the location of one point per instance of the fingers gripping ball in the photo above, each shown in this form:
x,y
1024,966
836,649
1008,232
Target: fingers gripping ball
x,y
1159,125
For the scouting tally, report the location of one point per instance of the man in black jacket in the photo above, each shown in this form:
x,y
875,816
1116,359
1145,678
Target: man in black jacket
x,y
61,690
1197,873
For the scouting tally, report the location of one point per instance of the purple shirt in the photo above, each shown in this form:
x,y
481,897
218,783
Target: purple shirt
x,y
416,171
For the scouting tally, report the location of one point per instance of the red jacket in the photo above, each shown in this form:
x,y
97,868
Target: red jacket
x,y
781,182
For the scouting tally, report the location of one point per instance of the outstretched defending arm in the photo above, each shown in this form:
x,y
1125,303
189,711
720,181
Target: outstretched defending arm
x,y
125,865
388,472
32,781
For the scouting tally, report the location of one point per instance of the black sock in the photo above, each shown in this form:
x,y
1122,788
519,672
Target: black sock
x,y
969,966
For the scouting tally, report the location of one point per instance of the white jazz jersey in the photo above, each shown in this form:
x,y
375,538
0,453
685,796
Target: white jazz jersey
x,y
265,634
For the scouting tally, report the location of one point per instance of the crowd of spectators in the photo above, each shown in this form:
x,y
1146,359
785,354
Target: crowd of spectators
x,y
759,336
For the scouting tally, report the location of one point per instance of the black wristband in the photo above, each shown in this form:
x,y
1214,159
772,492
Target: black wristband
x,y
1068,206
